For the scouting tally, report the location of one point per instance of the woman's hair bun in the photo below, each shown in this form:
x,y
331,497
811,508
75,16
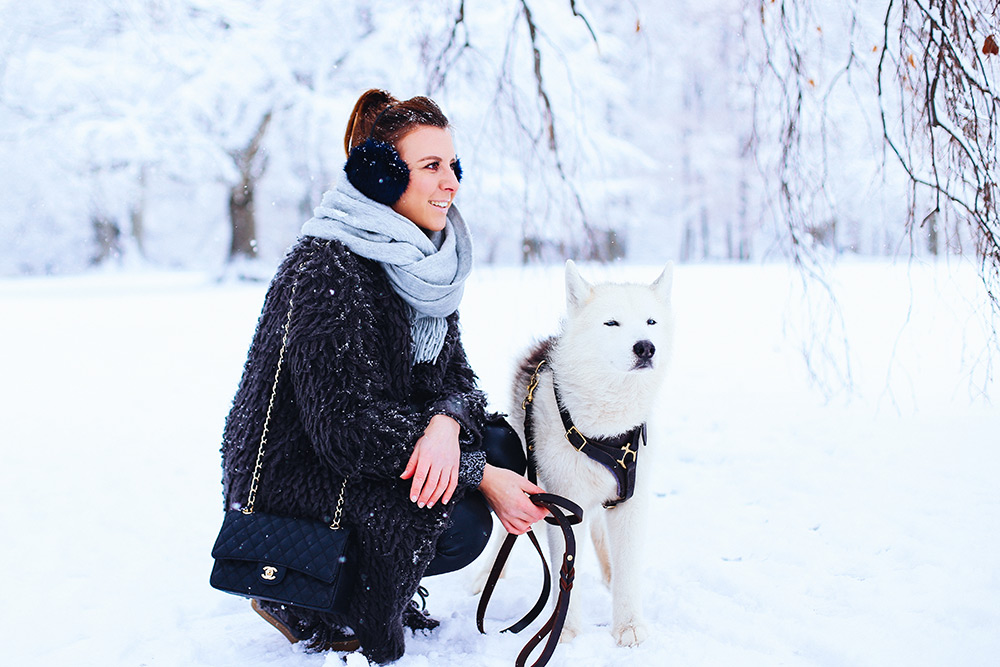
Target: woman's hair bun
x,y
366,111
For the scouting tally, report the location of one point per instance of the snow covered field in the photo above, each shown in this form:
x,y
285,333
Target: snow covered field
x,y
787,529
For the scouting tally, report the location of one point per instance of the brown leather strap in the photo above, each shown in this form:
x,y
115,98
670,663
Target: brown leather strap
x,y
620,454
553,626
494,577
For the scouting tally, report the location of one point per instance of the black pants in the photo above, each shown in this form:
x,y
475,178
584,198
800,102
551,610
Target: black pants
x,y
466,536
471,523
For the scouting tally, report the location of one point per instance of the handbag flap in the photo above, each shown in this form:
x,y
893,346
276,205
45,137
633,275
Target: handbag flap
x,y
304,545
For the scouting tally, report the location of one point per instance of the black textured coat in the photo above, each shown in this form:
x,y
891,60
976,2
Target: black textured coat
x,y
349,404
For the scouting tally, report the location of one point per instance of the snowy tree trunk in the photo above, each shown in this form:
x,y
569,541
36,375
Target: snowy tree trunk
x,y
241,216
107,239
241,206
138,213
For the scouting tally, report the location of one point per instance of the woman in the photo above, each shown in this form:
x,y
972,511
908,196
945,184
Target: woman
x,y
376,387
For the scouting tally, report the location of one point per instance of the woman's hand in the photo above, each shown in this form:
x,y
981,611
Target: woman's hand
x,y
507,493
434,462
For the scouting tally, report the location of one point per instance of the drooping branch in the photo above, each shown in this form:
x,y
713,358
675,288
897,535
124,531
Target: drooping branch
x,y
958,116
548,119
543,95
576,13
450,53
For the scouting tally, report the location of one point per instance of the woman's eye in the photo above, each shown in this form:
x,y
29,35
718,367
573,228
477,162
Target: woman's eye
x,y
433,166
651,321
611,323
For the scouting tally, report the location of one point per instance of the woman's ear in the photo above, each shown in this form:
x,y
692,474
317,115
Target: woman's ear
x,y
376,170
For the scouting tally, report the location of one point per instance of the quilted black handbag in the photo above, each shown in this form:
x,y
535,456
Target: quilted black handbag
x,y
295,561
300,562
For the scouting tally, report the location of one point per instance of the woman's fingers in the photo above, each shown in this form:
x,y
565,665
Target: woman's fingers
x,y
450,489
447,483
507,493
434,463
431,483
411,466
420,472
519,526
430,492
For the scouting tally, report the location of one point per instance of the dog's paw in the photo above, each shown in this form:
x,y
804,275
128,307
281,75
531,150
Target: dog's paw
x,y
478,583
631,634
568,633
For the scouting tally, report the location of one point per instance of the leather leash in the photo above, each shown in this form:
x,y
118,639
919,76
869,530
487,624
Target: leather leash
x,y
554,625
552,628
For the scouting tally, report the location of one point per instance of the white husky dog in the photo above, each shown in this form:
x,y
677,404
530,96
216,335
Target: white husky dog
x,y
607,365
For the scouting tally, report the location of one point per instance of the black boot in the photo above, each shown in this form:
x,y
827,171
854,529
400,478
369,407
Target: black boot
x,y
415,616
283,619
320,637
333,639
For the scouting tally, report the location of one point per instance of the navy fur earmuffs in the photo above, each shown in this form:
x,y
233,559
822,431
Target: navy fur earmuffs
x,y
376,170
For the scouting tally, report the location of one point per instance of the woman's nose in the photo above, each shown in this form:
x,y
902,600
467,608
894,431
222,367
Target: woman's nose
x,y
450,181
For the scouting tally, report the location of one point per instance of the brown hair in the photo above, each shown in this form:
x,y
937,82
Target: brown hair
x,y
379,115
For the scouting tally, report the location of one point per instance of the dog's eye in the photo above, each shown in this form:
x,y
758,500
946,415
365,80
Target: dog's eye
x,y
651,321
611,323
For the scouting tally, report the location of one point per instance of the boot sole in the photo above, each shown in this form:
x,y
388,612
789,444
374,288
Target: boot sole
x,y
345,646
278,625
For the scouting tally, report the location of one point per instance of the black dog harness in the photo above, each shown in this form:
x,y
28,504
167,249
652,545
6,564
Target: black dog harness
x,y
619,455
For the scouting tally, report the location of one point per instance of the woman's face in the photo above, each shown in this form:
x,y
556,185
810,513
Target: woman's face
x,y
430,154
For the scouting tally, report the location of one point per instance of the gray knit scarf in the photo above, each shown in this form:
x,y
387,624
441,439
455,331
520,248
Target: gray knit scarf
x,y
427,274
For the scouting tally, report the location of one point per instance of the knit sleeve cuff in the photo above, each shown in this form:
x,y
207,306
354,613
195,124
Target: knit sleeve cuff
x,y
470,468
456,408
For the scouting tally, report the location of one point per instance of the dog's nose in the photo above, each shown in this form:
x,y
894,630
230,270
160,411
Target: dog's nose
x,y
644,349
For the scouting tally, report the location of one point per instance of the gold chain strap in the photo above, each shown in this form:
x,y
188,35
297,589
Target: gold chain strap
x,y
340,507
255,480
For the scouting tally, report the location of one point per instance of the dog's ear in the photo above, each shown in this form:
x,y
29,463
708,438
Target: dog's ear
x,y
577,289
662,285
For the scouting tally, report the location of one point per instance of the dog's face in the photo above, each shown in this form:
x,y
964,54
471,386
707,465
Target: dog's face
x,y
619,328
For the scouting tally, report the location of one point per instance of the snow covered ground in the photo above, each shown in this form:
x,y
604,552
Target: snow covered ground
x,y
788,529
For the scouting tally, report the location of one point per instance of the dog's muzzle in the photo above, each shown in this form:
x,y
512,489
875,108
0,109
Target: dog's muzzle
x,y
644,351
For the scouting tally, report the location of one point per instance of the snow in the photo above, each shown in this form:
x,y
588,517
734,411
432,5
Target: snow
x,y
790,527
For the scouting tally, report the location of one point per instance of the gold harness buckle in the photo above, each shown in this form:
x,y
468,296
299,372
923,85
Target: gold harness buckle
x,y
532,385
626,451
574,436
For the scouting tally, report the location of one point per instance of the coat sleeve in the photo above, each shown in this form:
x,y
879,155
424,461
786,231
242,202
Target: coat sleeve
x,y
465,403
354,430
346,389
352,392
350,387
459,397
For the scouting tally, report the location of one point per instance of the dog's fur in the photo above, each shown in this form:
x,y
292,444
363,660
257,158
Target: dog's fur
x,y
608,389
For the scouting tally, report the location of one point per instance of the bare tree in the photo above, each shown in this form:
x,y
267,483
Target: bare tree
x,y
934,97
936,92
940,56
533,118
251,166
